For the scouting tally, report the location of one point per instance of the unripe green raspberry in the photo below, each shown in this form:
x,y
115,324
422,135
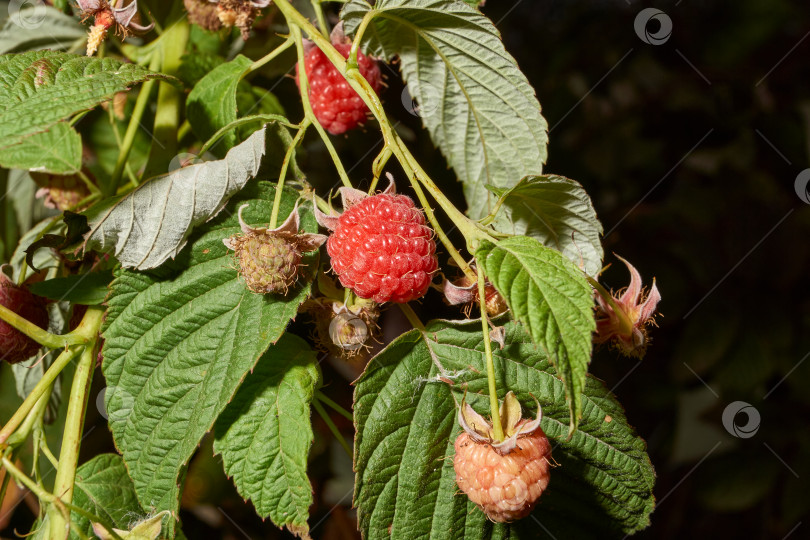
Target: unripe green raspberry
x,y
269,260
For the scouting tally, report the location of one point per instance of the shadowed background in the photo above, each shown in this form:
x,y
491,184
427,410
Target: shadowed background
x,y
690,150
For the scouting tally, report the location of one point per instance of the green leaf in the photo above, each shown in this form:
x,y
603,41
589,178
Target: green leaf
x,y
558,212
212,102
40,88
104,489
264,435
56,151
151,224
89,289
551,296
406,426
478,106
180,340
23,30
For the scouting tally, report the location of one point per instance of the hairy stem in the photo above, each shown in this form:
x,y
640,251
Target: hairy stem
x,y
497,429
322,24
240,122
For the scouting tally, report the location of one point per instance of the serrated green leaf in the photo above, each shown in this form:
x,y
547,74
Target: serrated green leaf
x,y
23,30
558,212
56,151
211,104
88,289
551,296
40,88
478,106
406,426
264,434
151,224
180,340
104,489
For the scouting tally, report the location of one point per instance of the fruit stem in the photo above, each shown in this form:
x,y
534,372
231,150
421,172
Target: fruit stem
x,y
412,317
378,166
261,62
497,429
132,129
43,337
322,24
332,427
72,438
283,174
358,37
303,82
334,406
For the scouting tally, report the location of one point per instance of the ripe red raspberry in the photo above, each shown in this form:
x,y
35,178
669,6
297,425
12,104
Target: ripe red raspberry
x,y
382,249
505,487
336,105
14,345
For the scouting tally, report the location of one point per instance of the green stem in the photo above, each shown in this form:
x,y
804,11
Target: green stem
x,y
240,122
412,317
72,438
497,429
309,114
132,128
43,337
332,427
358,37
282,175
322,24
21,434
378,166
440,234
169,101
42,386
471,231
258,64
334,406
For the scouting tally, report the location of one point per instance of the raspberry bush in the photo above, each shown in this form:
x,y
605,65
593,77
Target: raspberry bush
x,y
208,262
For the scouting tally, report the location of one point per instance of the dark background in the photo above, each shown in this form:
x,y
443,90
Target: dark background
x,y
690,150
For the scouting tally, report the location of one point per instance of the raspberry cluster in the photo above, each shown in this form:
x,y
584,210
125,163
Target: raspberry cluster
x,y
382,249
335,104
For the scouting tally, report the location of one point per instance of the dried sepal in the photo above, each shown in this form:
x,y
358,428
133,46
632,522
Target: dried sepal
x,y
512,422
